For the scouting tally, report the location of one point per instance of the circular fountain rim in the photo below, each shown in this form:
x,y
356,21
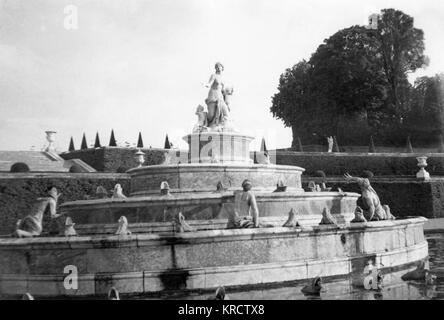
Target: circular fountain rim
x,y
205,235
267,167
156,199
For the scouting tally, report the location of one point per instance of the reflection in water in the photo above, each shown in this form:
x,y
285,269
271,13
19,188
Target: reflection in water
x,y
348,289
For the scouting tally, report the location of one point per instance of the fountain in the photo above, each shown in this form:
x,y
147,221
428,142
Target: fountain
x,y
163,252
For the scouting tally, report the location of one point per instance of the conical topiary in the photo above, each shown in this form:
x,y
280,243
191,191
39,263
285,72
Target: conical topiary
x,y
139,141
112,140
84,144
409,148
71,145
299,145
167,144
263,146
335,145
97,143
371,146
441,144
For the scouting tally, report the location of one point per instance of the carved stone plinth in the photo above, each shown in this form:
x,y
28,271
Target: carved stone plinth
x,y
219,147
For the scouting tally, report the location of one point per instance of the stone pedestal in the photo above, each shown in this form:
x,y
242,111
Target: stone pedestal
x,y
219,147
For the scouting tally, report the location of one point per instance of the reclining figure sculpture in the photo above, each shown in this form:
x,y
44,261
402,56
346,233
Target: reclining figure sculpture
x,y
372,208
31,225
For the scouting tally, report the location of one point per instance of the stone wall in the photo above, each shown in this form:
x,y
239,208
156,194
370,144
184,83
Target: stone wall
x,y
405,196
18,191
115,159
381,164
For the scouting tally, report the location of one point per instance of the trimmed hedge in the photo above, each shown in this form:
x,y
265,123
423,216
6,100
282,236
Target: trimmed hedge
x,y
379,164
18,193
115,159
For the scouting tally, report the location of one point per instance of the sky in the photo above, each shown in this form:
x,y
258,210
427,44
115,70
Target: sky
x,y
140,65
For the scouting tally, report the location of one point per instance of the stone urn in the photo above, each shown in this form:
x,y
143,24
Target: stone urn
x,y
50,137
422,173
140,158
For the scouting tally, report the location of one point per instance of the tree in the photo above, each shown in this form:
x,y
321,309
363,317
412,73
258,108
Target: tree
x,y
167,144
441,144
71,145
347,73
425,119
292,103
371,146
112,140
408,147
402,51
336,145
263,146
355,82
299,145
139,141
84,145
97,142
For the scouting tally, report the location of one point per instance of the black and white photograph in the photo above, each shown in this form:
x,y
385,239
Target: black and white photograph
x,y
239,150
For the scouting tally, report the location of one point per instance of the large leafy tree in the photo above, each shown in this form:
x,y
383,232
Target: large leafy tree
x,y
425,120
402,51
347,72
292,103
358,71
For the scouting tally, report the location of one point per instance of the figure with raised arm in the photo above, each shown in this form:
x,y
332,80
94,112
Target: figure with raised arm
x,y
372,208
216,101
31,225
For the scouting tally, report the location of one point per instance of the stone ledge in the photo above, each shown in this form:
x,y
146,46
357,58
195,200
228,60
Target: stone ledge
x,y
140,240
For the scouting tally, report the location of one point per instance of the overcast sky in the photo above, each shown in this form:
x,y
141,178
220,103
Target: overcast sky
x,y
139,65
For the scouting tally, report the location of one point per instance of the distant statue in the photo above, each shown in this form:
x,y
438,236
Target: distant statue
x,y
101,192
373,210
218,110
314,288
118,192
219,294
311,186
330,144
31,225
280,187
122,229
69,228
292,221
202,122
245,207
324,187
421,273
27,296
165,188
359,215
327,218
220,187
180,225
113,294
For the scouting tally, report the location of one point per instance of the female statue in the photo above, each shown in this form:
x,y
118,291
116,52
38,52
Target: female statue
x,y
216,104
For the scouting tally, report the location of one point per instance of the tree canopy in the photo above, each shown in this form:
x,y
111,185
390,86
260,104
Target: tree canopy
x,y
355,84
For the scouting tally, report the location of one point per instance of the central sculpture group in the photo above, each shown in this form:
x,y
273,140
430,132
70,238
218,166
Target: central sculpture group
x,y
216,118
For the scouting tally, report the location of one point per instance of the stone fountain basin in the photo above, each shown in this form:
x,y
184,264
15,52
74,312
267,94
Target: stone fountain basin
x,y
205,210
204,177
143,263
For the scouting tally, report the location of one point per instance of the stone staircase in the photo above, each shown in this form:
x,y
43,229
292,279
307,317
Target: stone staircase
x,y
39,161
